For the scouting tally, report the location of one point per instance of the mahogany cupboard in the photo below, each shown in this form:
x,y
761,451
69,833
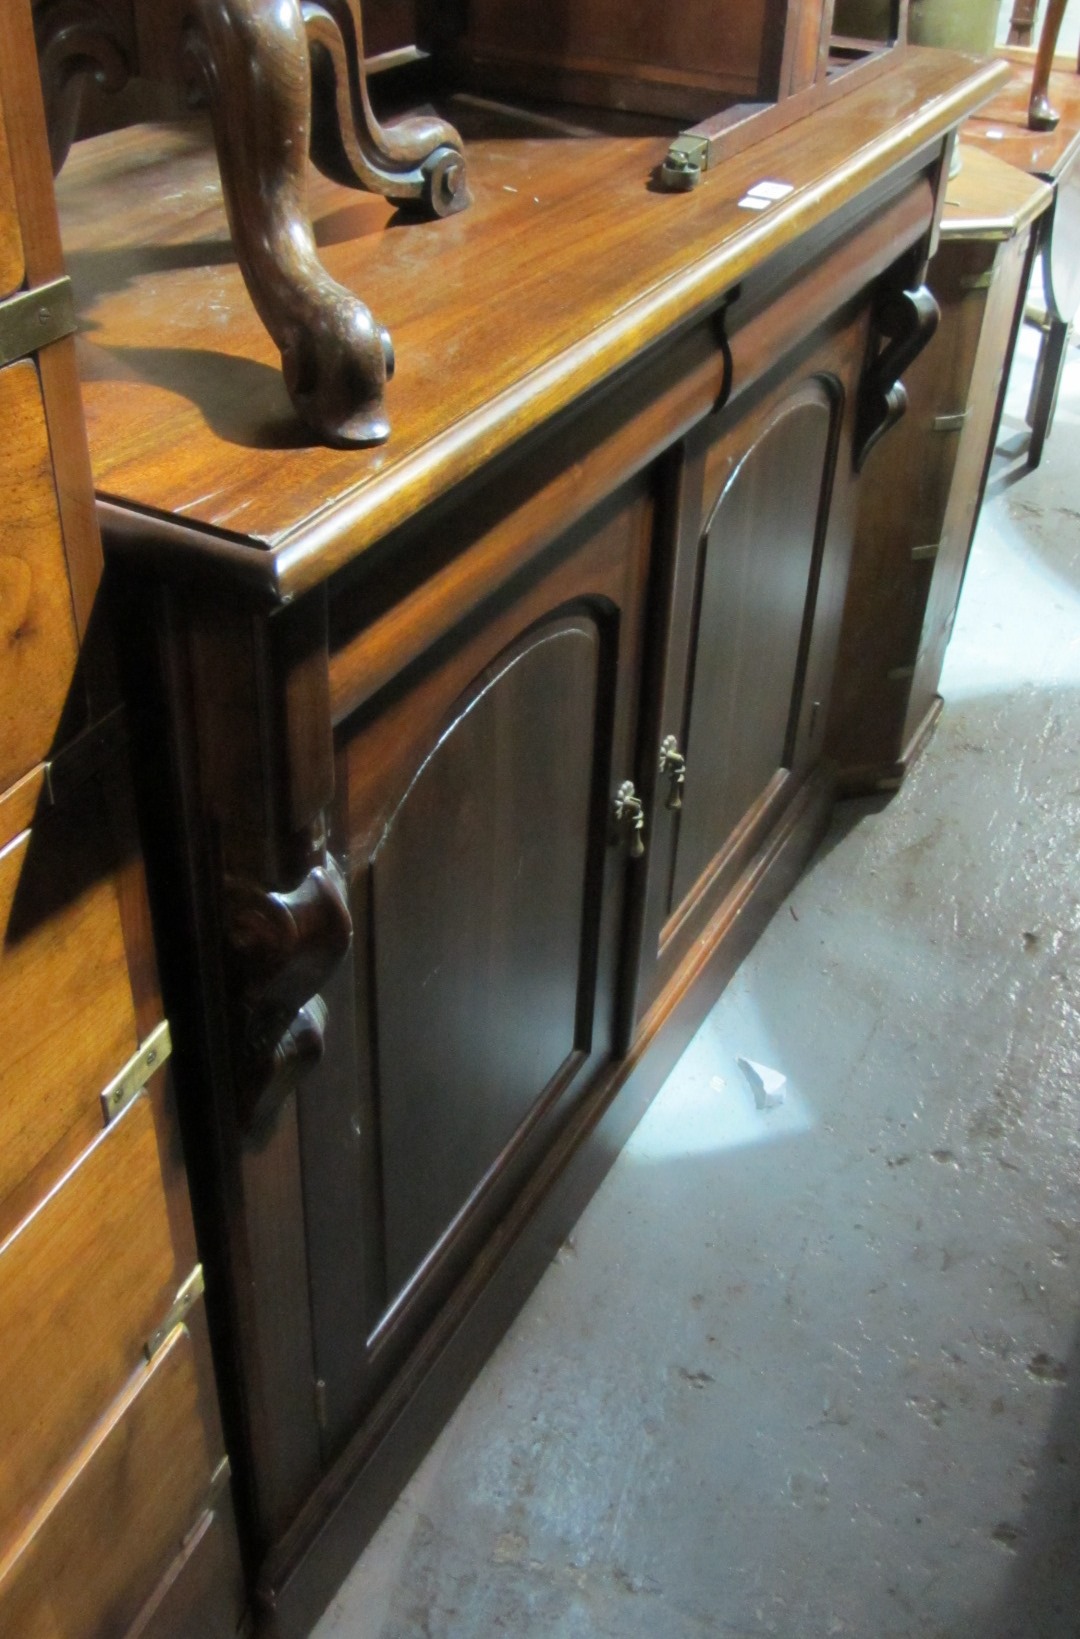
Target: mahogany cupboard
x,y
472,765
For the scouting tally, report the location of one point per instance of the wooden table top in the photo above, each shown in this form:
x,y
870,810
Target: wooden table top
x,y
989,199
566,267
1001,127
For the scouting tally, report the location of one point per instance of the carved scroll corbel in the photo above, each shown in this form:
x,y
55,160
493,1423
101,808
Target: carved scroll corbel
x,y
417,161
282,949
76,43
903,323
252,60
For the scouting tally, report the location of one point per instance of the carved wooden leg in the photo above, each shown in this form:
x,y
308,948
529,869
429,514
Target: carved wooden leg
x,y
76,41
419,160
252,57
1041,117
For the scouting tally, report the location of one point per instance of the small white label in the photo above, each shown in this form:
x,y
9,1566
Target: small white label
x,y
753,202
993,134
770,190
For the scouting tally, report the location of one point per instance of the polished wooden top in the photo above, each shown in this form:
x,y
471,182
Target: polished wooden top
x,y
565,268
988,199
1002,129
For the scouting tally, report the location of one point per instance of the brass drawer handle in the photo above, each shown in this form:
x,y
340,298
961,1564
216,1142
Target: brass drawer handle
x,y
629,815
673,768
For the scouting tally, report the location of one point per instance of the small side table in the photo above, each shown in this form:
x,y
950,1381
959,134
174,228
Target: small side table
x,y
1002,129
917,515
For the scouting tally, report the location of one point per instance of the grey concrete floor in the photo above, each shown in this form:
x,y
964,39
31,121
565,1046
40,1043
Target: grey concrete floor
x,y
814,1370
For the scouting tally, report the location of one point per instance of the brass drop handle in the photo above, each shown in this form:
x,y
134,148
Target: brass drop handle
x,y
629,816
673,768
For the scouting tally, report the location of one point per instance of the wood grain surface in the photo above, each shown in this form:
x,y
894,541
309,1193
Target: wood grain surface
x,y
567,266
38,643
98,1260
64,991
117,1517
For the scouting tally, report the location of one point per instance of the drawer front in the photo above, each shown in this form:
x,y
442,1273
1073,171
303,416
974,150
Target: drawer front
x,y
83,1284
202,1594
64,987
115,1521
37,627
11,248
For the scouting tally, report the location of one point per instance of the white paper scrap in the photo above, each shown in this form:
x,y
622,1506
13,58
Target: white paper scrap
x,y
753,202
770,190
767,1085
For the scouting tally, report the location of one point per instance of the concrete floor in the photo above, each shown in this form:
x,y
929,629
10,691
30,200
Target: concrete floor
x,y
815,1370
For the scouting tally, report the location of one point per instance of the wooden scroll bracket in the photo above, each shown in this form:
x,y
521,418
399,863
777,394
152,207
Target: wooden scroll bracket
x,y
283,947
253,61
904,320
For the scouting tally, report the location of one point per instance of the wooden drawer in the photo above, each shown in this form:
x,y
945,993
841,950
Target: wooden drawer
x,y
116,1519
202,1594
11,247
84,1282
38,643
64,988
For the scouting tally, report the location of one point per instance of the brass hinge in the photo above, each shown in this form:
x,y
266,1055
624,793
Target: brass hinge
x,y
186,1299
925,554
136,1072
978,281
33,318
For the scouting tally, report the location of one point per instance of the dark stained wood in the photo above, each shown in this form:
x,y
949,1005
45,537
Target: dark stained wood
x,y
116,1518
601,268
321,1546
910,560
478,885
470,939
482,616
745,686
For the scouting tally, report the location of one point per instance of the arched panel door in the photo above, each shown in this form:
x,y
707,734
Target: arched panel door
x,y
743,610
477,911
481,993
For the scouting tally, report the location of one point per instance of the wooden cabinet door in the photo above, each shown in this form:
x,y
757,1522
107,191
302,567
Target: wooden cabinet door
x,y
486,885
757,489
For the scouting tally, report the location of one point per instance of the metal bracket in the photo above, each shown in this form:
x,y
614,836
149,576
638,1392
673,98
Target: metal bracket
x,y
33,318
186,1299
127,1086
685,163
949,423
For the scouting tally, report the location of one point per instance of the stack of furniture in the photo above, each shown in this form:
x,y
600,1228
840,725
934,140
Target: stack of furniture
x,y
468,765
115,1514
473,764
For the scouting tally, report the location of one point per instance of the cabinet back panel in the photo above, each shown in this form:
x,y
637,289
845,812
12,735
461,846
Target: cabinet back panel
x,y
732,43
759,553
477,912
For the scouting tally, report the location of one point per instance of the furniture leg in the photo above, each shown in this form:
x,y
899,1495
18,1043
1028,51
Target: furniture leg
x,y
252,59
1041,117
1022,22
1044,390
